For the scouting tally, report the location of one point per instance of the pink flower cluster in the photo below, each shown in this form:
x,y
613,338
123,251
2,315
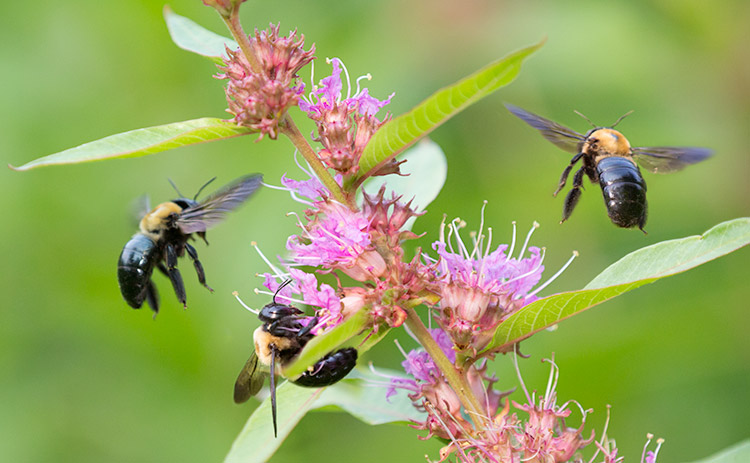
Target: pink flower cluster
x,y
364,244
480,287
259,99
345,124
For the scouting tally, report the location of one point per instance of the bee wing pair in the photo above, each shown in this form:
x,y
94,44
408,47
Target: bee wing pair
x,y
250,380
659,159
212,210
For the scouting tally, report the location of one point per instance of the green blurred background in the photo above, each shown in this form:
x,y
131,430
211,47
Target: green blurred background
x,y
86,379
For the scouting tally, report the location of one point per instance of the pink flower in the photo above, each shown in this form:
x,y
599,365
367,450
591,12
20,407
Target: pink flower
x,y
337,238
430,392
480,287
345,124
545,436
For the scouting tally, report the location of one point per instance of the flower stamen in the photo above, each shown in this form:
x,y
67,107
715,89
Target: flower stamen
x,y
242,303
278,273
367,76
528,237
513,240
553,277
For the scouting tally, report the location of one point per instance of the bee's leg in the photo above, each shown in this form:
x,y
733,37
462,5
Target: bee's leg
x,y
574,195
152,297
274,353
641,223
174,274
198,266
306,330
566,172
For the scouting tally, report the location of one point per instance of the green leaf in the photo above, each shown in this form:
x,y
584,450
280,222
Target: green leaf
x,y
638,268
423,176
256,442
675,256
401,132
357,395
190,36
363,395
141,142
738,453
322,345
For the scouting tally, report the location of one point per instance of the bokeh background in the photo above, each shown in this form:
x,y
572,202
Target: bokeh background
x,y
84,378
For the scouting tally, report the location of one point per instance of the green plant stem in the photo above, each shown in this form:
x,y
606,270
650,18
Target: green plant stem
x,y
455,378
234,26
289,128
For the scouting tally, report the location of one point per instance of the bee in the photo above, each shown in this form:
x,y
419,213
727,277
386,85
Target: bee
x,y
280,338
608,159
163,238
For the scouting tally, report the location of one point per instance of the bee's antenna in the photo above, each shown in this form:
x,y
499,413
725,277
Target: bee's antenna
x,y
286,282
175,188
201,188
622,117
586,119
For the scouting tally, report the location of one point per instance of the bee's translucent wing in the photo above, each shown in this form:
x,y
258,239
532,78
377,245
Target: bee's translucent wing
x,y
560,135
213,209
139,207
250,380
665,159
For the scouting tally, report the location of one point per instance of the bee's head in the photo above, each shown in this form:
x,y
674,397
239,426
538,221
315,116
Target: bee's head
x,y
275,311
185,203
607,141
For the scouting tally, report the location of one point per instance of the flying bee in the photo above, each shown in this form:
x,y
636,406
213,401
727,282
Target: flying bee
x,y
281,337
608,159
163,237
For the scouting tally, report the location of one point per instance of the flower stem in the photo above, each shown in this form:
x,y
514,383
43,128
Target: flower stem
x,y
455,378
289,128
233,23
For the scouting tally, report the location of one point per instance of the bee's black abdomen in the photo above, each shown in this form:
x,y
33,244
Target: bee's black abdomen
x,y
330,369
134,269
624,191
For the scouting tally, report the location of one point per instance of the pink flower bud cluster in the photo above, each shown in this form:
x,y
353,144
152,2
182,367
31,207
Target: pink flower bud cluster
x,y
224,7
260,98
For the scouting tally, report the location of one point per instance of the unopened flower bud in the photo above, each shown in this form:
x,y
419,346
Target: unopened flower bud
x,y
224,7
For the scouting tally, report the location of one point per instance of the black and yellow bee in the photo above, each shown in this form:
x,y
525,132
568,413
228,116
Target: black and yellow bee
x,y
608,159
278,341
163,238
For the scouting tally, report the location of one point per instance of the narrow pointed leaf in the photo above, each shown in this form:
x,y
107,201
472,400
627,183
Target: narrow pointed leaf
x,y
638,268
738,453
354,395
190,36
675,256
401,132
321,345
141,142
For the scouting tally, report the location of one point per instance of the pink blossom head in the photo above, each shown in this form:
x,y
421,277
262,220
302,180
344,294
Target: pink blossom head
x,y
260,98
